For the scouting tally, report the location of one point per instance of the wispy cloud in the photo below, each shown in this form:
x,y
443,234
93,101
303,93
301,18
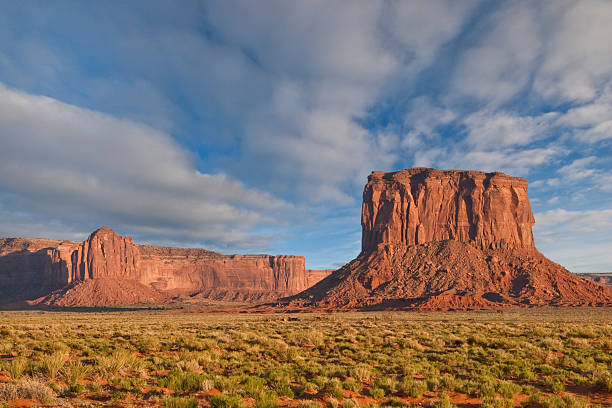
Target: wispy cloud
x,y
91,168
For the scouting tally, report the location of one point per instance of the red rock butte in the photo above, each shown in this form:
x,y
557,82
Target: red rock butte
x,y
110,270
447,240
415,206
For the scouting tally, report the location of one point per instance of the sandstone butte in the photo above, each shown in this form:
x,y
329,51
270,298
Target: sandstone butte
x,y
447,240
110,270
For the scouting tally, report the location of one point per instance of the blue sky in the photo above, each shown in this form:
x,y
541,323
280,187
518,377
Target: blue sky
x,y
252,126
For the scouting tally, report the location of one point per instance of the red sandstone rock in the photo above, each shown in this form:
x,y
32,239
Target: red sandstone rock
x,y
141,273
448,240
414,206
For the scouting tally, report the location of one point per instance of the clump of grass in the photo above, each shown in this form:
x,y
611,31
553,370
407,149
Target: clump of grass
x,y
225,401
117,363
253,386
268,399
444,402
388,383
411,387
508,389
351,385
189,366
52,364
182,382
311,387
76,372
17,367
603,379
180,402
310,404
556,385
362,372
27,388
377,393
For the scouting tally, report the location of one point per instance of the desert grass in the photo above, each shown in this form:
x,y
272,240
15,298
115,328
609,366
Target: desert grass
x,y
531,358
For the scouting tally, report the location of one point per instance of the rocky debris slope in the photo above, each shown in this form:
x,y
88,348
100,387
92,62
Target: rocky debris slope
x,y
448,240
123,273
107,292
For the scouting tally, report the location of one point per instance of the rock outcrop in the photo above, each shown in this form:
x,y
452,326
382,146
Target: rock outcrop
x,y
448,240
110,270
415,206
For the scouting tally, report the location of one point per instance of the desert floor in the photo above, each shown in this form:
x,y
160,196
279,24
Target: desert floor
x,y
535,357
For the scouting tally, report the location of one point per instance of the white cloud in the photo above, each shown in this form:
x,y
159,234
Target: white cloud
x,y
423,119
332,63
566,221
578,239
87,167
499,64
578,57
578,169
501,129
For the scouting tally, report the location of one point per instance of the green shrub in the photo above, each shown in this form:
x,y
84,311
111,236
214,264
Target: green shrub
x,y
253,386
310,404
351,385
180,402
268,399
76,372
411,387
349,403
444,402
556,385
53,363
377,393
183,382
575,402
117,363
493,402
311,387
362,372
603,381
284,389
508,389
17,367
118,396
553,401
388,383
225,401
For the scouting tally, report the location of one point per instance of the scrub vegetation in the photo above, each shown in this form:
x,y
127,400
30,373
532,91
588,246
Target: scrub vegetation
x,y
531,358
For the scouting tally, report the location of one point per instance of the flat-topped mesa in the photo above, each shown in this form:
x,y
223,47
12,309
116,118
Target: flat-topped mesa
x,y
448,240
107,264
419,205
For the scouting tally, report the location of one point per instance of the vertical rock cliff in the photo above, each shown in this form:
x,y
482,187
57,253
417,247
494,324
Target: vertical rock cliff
x,y
107,270
448,240
414,206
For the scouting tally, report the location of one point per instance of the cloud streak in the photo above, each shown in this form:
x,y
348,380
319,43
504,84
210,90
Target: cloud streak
x,y
89,167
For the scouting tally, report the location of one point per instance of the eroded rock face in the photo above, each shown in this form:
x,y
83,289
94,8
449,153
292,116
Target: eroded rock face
x,y
415,206
36,267
448,240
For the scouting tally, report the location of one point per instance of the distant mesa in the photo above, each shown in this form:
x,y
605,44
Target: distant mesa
x,y
110,270
447,240
602,278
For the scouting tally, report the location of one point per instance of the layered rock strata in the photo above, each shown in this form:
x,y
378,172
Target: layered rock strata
x,y
448,240
127,273
415,206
